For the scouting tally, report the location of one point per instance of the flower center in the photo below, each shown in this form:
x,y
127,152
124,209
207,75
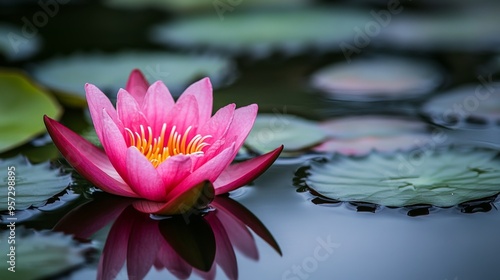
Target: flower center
x,y
158,149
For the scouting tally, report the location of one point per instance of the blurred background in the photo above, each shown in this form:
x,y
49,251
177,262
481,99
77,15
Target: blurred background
x,y
315,59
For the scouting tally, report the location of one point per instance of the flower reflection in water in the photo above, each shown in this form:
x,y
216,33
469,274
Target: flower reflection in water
x,y
183,245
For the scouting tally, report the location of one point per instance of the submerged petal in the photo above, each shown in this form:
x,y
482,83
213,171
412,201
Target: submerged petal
x,y
174,263
239,213
93,215
142,246
114,253
91,162
137,85
224,254
239,174
238,233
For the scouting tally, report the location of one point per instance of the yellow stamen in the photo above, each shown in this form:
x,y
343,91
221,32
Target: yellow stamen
x,y
158,149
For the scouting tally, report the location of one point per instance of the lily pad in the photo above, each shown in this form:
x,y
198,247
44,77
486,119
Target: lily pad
x,y
372,126
261,32
471,29
109,72
14,45
34,184
359,135
21,110
377,78
40,254
442,178
467,106
272,130
365,145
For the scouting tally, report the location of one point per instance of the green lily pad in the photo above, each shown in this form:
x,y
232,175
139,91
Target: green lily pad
x,y
273,130
365,145
470,29
110,72
39,254
14,45
34,184
372,126
21,110
359,135
377,78
466,106
441,178
261,32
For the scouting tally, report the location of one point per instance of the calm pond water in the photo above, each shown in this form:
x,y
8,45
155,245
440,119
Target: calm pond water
x,y
303,240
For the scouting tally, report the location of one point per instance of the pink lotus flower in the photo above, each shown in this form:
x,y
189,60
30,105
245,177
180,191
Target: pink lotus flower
x,y
162,151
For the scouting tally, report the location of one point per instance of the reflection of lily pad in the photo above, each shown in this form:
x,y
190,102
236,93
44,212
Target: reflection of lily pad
x,y
34,184
358,135
14,45
378,78
271,131
441,178
110,72
471,105
40,254
21,110
263,31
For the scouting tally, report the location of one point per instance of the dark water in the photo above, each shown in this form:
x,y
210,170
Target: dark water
x,y
328,241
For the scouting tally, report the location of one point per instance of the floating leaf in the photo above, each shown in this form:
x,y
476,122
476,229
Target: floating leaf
x,y
470,105
441,178
21,110
273,130
261,32
372,126
69,75
358,135
34,184
14,45
463,30
378,78
55,204
39,254
364,145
